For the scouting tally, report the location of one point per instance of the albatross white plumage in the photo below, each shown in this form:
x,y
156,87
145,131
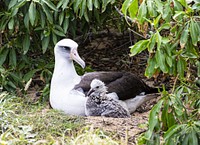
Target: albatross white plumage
x,y
66,84
99,103
62,95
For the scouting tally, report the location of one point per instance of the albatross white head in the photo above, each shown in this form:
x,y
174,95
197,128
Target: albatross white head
x,y
97,87
62,95
66,50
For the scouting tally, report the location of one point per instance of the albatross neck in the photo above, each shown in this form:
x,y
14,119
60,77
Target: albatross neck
x,y
65,73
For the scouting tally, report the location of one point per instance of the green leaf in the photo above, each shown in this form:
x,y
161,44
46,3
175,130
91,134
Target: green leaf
x,y
26,43
194,32
164,26
172,130
125,6
83,9
42,18
186,140
32,13
138,47
59,28
86,16
45,43
105,3
96,4
169,60
142,12
59,33
151,67
159,6
12,3
11,84
90,5
160,58
65,25
183,2
181,66
193,138
54,38
153,118
26,20
198,68
48,13
50,5
64,4
12,58
156,21
170,119
151,8
29,75
20,3
178,14
3,56
11,24
14,12
76,5
158,40
3,23
59,4
197,123
152,43
133,9
184,37
167,13
15,76
61,17
177,6
165,40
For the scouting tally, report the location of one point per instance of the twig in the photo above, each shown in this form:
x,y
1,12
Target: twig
x,y
137,33
127,17
173,89
130,20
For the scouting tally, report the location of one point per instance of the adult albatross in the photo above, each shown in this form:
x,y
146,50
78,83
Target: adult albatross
x,y
68,89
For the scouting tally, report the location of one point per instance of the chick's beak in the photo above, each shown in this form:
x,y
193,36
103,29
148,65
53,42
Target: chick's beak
x,y
90,92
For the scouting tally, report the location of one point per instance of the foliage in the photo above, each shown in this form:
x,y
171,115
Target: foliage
x,y
30,28
171,31
173,27
25,123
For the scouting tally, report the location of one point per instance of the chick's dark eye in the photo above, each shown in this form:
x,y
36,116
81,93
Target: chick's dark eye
x,y
97,87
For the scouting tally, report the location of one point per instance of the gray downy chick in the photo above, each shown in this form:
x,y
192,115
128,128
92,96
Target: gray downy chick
x,y
100,104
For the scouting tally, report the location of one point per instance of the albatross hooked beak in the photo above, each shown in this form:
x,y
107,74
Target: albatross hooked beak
x,y
75,56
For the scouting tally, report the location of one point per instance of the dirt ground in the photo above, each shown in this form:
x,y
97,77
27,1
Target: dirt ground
x,y
111,53
125,129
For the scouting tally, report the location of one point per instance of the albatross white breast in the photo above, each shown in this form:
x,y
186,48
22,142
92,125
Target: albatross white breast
x,y
100,104
68,89
62,95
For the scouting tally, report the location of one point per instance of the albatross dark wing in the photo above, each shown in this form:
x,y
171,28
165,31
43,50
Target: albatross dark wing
x,y
125,84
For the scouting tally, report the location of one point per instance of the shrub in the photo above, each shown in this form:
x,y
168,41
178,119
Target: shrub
x,y
171,35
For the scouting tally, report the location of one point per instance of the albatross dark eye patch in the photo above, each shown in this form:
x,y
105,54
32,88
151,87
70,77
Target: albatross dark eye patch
x,y
66,48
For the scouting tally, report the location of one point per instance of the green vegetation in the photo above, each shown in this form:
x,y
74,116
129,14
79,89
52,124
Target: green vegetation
x,y
170,33
23,122
171,36
30,28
